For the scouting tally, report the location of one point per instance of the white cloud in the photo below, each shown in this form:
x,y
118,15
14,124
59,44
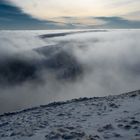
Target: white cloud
x,y
110,60
56,8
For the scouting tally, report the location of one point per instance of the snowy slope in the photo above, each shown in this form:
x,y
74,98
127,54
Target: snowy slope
x,y
112,117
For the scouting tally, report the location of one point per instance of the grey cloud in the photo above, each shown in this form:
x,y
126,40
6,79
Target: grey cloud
x,y
118,22
105,22
20,20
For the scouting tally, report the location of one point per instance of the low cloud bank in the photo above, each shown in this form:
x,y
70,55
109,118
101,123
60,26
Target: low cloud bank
x,y
79,65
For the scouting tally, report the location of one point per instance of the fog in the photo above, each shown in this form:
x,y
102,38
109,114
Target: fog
x,y
36,71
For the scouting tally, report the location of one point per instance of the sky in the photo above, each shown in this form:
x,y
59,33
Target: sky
x,y
59,14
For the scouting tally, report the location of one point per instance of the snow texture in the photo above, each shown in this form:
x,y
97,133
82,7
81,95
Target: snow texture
x,y
114,117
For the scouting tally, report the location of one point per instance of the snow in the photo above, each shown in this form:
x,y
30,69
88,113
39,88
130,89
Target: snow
x,y
115,117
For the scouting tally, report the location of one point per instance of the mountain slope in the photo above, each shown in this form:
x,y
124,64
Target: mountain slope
x,y
112,117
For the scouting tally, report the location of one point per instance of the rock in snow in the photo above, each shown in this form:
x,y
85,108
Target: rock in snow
x,y
99,118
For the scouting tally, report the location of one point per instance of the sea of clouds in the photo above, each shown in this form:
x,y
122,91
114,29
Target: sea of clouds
x,y
109,62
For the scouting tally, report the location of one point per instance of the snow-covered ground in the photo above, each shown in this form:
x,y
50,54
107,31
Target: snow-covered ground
x,y
112,117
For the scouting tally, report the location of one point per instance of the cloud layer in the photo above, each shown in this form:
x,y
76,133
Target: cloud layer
x,y
97,63
15,14
79,8
13,17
